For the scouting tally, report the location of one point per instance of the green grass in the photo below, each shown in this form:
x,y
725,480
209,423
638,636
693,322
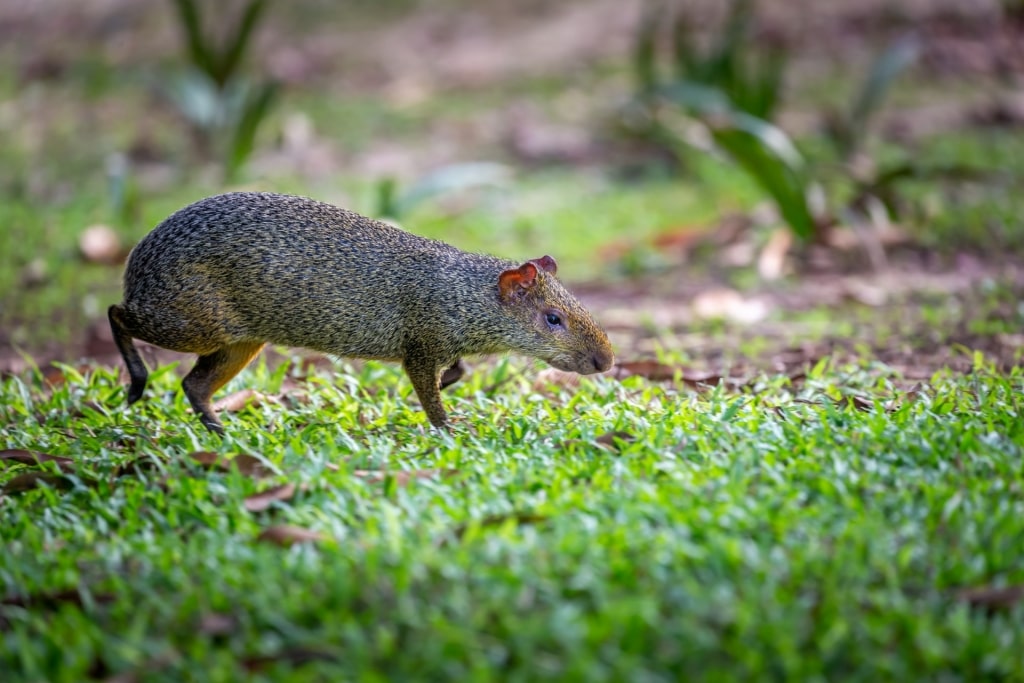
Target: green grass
x,y
780,535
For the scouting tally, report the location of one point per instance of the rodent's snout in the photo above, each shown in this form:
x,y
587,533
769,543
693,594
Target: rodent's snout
x,y
602,360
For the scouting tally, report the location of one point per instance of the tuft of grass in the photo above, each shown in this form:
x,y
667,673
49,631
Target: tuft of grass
x,y
815,531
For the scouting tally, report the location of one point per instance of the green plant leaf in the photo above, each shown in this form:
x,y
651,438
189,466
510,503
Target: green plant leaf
x,y
646,47
452,178
228,64
196,96
191,26
760,157
894,60
700,100
257,104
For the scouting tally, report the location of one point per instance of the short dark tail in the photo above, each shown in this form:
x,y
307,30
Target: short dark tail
x,y
123,338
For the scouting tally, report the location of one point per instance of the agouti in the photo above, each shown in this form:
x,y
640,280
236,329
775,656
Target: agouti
x,y
230,273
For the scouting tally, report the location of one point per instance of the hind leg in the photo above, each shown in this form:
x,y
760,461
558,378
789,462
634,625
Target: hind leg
x,y
213,371
123,338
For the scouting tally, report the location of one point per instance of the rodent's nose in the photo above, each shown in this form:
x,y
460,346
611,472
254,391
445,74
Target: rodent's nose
x,y
602,360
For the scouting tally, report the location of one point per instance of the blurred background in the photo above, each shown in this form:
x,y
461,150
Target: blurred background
x,y
708,173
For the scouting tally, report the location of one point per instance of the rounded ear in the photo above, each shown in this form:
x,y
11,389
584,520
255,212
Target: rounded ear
x,y
546,263
513,282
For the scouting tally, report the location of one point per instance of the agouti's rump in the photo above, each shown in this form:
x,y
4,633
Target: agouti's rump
x,y
227,274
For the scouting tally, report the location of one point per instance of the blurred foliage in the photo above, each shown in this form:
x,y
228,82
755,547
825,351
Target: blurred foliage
x,y
1013,9
447,180
750,77
721,101
223,108
847,129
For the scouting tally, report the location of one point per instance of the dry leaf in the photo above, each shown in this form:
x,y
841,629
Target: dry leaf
x,y
860,403
611,440
34,274
30,480
217,624
136,466
648,369
240,400
261,501
772,261
991,598
728,304
24,457
54,599
55,376
681,240
100,244
286,535
554,377
248,465
294,657
865,292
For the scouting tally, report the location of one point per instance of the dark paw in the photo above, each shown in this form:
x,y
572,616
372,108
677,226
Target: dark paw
x,y
135,391
213,425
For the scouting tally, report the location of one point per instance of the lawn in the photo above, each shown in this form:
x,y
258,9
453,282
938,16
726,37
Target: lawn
x,y
832,526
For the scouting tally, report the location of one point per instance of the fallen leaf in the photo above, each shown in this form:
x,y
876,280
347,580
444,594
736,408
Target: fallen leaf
x,y
402,477
90,406
613,440
906,398
56,375
240,400
294,398
261,501
248,465
865,292
100,244
54,599
294,657
724,303
772,261
136,466
34,274
991,598
550,377
860,403
648,369
30,480
25,457
286,535
660,372
217,624
680,241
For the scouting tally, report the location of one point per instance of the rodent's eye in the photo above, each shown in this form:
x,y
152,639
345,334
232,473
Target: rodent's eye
x,y
553,319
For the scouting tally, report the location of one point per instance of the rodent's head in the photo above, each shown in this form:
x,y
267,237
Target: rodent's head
x,y
564,333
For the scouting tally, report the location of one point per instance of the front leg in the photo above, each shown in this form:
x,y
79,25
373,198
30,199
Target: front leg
x,y
425,374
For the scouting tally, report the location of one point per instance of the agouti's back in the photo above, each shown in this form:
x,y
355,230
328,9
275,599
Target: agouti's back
x,y
227,274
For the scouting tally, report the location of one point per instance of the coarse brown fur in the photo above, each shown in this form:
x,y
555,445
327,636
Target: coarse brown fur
x,y
230,273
